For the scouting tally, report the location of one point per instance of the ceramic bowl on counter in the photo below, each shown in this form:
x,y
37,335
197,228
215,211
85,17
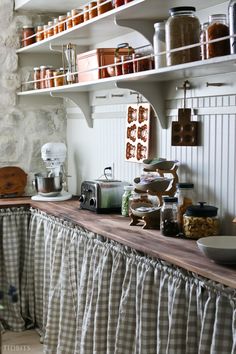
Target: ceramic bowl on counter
x,y
220,249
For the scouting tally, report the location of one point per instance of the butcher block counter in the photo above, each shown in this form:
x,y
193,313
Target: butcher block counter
x,y
181,252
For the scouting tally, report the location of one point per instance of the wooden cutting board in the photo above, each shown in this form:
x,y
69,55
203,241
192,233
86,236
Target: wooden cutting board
x,y
12,181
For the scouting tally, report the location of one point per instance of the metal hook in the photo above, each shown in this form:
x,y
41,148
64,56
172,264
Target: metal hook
x,y
186,86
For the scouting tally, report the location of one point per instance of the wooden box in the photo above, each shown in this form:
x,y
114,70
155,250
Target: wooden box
x,y
95,59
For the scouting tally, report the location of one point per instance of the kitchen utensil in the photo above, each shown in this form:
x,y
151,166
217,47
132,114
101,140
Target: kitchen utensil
x,y
220,249
48,186
12,181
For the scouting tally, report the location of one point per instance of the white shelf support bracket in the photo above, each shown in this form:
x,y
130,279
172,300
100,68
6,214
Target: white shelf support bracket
x,y
153,92
145,27
81,99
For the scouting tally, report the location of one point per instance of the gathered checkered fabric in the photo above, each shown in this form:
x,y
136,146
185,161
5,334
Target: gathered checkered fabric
x,y
91,295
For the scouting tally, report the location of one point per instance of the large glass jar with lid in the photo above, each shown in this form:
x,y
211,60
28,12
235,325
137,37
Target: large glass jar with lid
x,y
159,44
169,216
182,29
232,25
185,195
217,28
200,221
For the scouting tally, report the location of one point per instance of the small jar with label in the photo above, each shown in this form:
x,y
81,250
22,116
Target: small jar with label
x,y
169,216
39,33
217,28
55,24
50,32
185,197
68,20
61,23
201,221
125,200
159,45
77,17
93,11
102,8
28,36
58,78
36,78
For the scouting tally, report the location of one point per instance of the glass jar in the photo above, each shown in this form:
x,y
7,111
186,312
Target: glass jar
x,y
201,221
125,200
169,217
43,69
36,78
182,29
50,77
93,11
68,20
185,197
26,33
58,78
86,13
102,8
50,32
217,28
79,17
61,23
159,44
232,25
117,3
45,31
55,24
203,38
39,33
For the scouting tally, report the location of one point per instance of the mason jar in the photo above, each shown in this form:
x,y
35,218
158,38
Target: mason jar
x,y
159,44
217,28
185,195
169,217
182,29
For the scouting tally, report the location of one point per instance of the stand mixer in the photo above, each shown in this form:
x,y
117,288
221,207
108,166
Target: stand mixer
x,y
49,186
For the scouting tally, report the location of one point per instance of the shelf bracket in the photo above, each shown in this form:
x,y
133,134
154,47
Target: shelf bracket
x,y
153,92
81,100
145,27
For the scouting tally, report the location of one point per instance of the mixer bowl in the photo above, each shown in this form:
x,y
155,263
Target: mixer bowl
x,y
48,186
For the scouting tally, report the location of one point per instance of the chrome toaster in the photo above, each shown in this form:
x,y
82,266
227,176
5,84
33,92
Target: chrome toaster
x,y
102,196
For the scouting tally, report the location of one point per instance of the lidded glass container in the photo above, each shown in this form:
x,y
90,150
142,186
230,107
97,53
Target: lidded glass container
x,y
185,195
201,221
169,217
182,29
203,37
217,28
159,44
125,200
232,25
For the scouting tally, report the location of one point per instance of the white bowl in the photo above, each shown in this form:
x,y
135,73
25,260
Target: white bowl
x,y
221,249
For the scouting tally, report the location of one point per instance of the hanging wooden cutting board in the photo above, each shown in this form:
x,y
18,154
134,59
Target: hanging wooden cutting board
x,y
12,181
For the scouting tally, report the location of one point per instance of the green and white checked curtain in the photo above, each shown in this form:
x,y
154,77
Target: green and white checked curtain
x,y
89,295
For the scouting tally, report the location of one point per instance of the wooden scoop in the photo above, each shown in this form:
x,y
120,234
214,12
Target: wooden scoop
x,y
184,131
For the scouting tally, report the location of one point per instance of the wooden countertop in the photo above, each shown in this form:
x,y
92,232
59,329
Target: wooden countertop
x,y
181,252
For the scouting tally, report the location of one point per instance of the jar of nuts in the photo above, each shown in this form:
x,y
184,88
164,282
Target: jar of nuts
x,y
200,221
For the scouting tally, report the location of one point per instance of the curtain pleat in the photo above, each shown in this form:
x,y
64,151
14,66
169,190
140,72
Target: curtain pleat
x,y
91,295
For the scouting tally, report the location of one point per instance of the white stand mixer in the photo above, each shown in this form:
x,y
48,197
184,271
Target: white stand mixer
x,y
50,186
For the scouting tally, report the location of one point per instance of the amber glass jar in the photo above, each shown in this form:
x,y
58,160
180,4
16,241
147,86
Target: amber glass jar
x,y
45,31
217,28
58,79
68,20
79,17
86,13
55,24
26,33
49,75
102,8
39,33
182,29
50,31
61,23
93,11
43,69
117,3
36,78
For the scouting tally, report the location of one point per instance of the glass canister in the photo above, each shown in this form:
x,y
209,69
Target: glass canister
x,y
185,197
36,78
201,221
28,36
182,29
203,37
169,216
125,200
232,25
159,44
217,28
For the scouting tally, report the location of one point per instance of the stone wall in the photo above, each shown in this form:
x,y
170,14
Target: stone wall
x,y
24,127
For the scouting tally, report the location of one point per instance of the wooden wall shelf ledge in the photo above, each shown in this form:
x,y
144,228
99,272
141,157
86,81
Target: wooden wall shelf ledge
x,y
180,252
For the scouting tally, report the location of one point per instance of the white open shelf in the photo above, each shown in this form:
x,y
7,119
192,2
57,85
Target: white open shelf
x,y
154,8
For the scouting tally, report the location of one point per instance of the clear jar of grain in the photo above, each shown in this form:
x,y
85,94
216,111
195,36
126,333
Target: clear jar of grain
x,y
182,29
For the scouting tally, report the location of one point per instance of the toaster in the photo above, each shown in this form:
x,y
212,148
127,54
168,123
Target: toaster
x,y
102,196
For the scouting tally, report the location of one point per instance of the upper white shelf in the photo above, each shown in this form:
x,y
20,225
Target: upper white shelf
x,y
153,8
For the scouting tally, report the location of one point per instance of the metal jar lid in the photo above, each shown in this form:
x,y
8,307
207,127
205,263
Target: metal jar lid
x,y
201,210
185,185
170,199
173,10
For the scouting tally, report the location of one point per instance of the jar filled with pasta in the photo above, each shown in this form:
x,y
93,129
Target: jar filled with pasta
x,y
185,195
201,221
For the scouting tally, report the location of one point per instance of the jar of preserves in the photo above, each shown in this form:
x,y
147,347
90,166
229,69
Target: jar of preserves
x,y
50,77
125,200
43,69
117,3
102,8
36,78
159,44
217,28
68,20
86,13
77,17
58,78
203,38
201,221
169,217
39,33
55,24
28,36
232,25
50,31
61,23
185,197
45,31
93,10
182,29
